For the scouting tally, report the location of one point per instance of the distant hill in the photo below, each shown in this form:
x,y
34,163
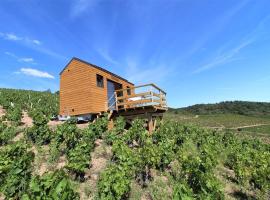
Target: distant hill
x,y
234,107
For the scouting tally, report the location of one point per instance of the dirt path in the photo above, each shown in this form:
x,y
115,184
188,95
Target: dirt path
x,y
2,111
26,120
248,126
235,128
100,158
18,137
54,124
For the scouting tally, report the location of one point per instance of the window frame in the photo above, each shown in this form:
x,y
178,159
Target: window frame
x,y
128,91
99,81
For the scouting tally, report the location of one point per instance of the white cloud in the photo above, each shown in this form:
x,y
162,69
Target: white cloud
x,y
225,57
217,26
28,60
11,36
24,59
37,42
81,6
35,73
14,37
152,73
104,53
10,54
230,55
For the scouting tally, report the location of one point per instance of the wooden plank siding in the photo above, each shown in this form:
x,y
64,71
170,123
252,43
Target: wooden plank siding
x,y
79,93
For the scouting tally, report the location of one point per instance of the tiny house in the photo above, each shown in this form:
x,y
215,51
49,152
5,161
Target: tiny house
x,y
88,90
85,88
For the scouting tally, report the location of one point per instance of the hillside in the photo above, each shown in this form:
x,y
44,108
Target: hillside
x,y
227,107
177,161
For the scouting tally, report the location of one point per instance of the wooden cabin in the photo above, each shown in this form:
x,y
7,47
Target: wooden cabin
x,y
89,90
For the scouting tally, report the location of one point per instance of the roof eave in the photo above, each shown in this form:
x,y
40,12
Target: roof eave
x,y
97,67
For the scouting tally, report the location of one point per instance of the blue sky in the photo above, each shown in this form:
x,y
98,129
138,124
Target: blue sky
x,y
199,51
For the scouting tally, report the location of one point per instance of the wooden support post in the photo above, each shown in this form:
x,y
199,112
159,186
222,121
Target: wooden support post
x,y
106,106
110,124
116,101
150,123
155,123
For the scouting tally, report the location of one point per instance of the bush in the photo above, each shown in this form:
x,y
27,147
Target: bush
x,y
114,183
53,185
15,169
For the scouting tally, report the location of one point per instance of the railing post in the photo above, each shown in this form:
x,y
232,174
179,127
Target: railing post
x,y
106,106
116,101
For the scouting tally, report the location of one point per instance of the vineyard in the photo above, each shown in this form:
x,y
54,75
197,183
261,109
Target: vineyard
x,y
175,162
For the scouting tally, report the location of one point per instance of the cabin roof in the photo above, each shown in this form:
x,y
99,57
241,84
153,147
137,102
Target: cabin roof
x,y
97,67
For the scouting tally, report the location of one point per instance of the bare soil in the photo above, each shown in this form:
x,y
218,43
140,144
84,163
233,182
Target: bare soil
x,y
249,126
82,126
2,111
54,124
18,137
40,163
26,120
99,160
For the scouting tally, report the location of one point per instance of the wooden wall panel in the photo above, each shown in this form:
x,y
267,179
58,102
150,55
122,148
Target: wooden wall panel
x,y
79,93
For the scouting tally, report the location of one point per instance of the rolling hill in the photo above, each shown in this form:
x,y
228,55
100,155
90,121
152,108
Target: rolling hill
x,y
227,107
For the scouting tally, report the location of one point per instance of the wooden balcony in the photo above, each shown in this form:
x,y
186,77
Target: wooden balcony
x,y
146,102
143,96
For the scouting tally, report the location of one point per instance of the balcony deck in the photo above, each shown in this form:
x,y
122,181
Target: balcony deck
x,y
145,101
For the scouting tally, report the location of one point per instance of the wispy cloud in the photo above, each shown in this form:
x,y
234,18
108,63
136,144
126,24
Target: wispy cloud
x,y
263,79
21,59
14,37
28,60
81,6
10,36
217,26
31,43
35,73
105,54
37,42
139,74
225,57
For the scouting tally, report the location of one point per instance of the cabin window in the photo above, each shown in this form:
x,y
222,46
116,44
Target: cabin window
x,y
100,82
128,91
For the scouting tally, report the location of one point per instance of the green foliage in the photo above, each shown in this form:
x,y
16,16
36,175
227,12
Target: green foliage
x,y
232,107
52,186
114,183
6,133
191,154
116,132
79,158
14,114
67,135
100,126
38,118
181,191
15,169
40,132
28,100
126,157
251,164
76,144
137,133
187,155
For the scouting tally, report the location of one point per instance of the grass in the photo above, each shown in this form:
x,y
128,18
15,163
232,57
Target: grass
x,y
218,120
231,122
264,129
